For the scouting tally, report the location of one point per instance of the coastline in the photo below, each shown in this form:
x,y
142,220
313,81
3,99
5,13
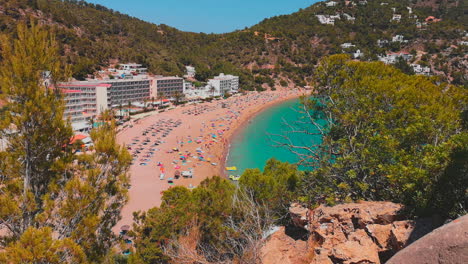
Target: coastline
x,y
194,131
241,126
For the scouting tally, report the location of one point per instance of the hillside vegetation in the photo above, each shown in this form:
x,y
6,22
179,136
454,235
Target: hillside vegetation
x,y
283,47
386,134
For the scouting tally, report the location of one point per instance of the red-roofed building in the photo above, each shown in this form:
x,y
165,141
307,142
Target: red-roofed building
x,y
432,19
77,137
84,100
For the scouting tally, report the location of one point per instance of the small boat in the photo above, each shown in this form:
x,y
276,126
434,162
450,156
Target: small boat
x,y
233,168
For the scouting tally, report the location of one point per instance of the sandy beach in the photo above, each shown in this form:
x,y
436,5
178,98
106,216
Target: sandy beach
x,y
188,139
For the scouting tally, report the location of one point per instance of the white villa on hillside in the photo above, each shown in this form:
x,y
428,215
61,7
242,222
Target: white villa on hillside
x,y
347,45
327,19
396,17
399,38
392,57
190,71
421,70
349,17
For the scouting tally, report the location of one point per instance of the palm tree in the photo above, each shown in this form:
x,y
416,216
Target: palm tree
x,y
145,102
161,97
152,102
121,108
212,90
91,121
129,106
177,96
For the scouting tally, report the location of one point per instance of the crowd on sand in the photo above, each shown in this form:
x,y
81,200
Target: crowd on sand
x,y
185,145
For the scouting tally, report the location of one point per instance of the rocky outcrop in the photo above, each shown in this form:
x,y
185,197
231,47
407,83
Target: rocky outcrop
x,y
445,245
282,248
299,215
364,232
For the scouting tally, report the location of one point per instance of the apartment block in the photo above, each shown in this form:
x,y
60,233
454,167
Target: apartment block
x,y
168,86
225,84
90,98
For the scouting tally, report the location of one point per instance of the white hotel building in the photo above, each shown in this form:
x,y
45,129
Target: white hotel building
x,y
225,84
167,86
90,98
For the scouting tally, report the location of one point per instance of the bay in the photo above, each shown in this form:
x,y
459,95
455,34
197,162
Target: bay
x,y
259,140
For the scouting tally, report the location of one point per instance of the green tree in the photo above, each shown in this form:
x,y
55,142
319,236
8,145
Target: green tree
x,y
121,116
404,66
145,104
177,97
387,135
276,186
38,246
43,184
35,113
161,98
129,105
283,83
219,220
212,90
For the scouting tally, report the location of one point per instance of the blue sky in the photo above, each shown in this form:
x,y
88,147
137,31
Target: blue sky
x,y
209,16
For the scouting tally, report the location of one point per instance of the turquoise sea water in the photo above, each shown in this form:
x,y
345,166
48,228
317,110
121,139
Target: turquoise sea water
x,y
257,142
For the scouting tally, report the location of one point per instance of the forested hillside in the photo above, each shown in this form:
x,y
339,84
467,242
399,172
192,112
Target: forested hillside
x,y
283,47
387,135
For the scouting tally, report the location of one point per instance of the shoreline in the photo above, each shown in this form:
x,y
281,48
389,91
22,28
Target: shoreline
x,y
240,127
194,138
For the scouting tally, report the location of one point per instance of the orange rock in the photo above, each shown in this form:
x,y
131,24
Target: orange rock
x,y
401,232
299,215
447,244
282,249
381,233
356,232
364,232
